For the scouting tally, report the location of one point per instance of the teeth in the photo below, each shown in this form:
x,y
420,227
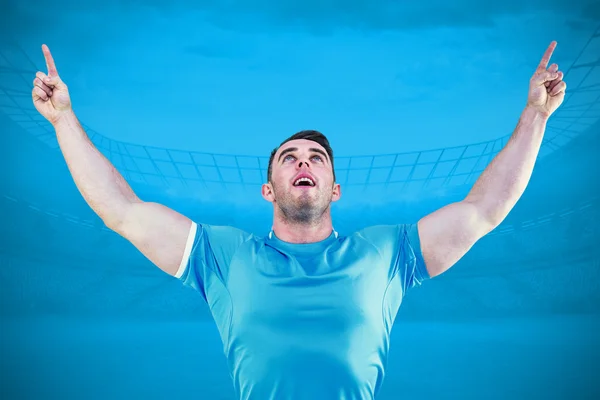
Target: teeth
x,y
304,180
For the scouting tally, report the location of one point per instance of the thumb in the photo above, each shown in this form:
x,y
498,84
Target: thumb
x,y
543,77
53,80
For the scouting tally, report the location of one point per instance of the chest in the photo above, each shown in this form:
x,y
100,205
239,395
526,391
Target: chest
x,y
333,289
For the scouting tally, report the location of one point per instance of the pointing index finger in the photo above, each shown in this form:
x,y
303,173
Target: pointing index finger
x,y
49,61
546,58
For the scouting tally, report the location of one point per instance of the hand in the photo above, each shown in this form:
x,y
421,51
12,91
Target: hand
x,y
546,87
50,94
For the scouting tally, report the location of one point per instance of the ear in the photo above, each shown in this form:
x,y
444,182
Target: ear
x,y
337,192
267,192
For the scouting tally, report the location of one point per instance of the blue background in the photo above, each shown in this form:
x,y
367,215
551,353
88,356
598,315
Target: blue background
x,y
187,99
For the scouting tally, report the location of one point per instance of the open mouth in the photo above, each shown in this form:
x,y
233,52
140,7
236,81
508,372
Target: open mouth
x,y
307,182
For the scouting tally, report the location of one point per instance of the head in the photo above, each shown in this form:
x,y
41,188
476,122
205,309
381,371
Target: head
x,y
308,155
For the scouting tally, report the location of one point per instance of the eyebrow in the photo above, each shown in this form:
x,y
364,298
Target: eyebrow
x,y
291,149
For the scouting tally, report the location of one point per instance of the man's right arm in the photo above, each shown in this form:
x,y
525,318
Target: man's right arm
x,y
158,232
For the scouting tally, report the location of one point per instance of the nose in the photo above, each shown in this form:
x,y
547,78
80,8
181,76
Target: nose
x,y
303,163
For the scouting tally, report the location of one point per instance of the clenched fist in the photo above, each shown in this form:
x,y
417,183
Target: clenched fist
x,y
50,94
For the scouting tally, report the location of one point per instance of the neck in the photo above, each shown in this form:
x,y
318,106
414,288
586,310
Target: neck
x,y
302,232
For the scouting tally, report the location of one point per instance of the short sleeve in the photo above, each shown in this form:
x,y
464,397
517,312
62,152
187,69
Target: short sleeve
x,y
400,245
207,255
411,259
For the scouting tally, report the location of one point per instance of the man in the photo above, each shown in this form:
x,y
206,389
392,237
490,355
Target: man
x,y
303,313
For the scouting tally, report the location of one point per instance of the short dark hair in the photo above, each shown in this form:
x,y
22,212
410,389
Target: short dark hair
x,y
315,136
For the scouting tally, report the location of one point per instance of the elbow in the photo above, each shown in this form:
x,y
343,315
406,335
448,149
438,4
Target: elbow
x,y
117,220
118,212
114,224
493,218
490,223
489,215
128,215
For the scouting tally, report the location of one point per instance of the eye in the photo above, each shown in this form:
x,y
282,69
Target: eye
x,y
289,157
319,158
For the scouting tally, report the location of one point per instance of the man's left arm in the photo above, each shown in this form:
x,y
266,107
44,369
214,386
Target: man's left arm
x,y
447,234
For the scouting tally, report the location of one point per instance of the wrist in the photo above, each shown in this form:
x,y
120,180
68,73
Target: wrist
x,y
63,118
534,114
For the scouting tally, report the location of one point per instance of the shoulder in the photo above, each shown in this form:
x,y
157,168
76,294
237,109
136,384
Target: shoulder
x,y
204,239
212,245
390,239
382,234
221,232
200,230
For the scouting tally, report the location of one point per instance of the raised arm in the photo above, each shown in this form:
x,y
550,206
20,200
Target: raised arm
x,y
157,231
448,233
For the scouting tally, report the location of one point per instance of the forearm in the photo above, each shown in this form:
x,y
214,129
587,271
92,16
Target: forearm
x,y
101,185
504,180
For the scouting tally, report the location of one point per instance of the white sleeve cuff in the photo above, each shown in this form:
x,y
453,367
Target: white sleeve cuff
x,y
188,250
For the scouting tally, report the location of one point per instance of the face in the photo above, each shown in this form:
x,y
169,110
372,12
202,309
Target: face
x,y
302,186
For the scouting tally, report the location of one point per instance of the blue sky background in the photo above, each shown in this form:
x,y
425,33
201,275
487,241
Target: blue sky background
x,y
237,77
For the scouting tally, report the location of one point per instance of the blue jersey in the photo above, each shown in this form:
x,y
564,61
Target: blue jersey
x,y
304,321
